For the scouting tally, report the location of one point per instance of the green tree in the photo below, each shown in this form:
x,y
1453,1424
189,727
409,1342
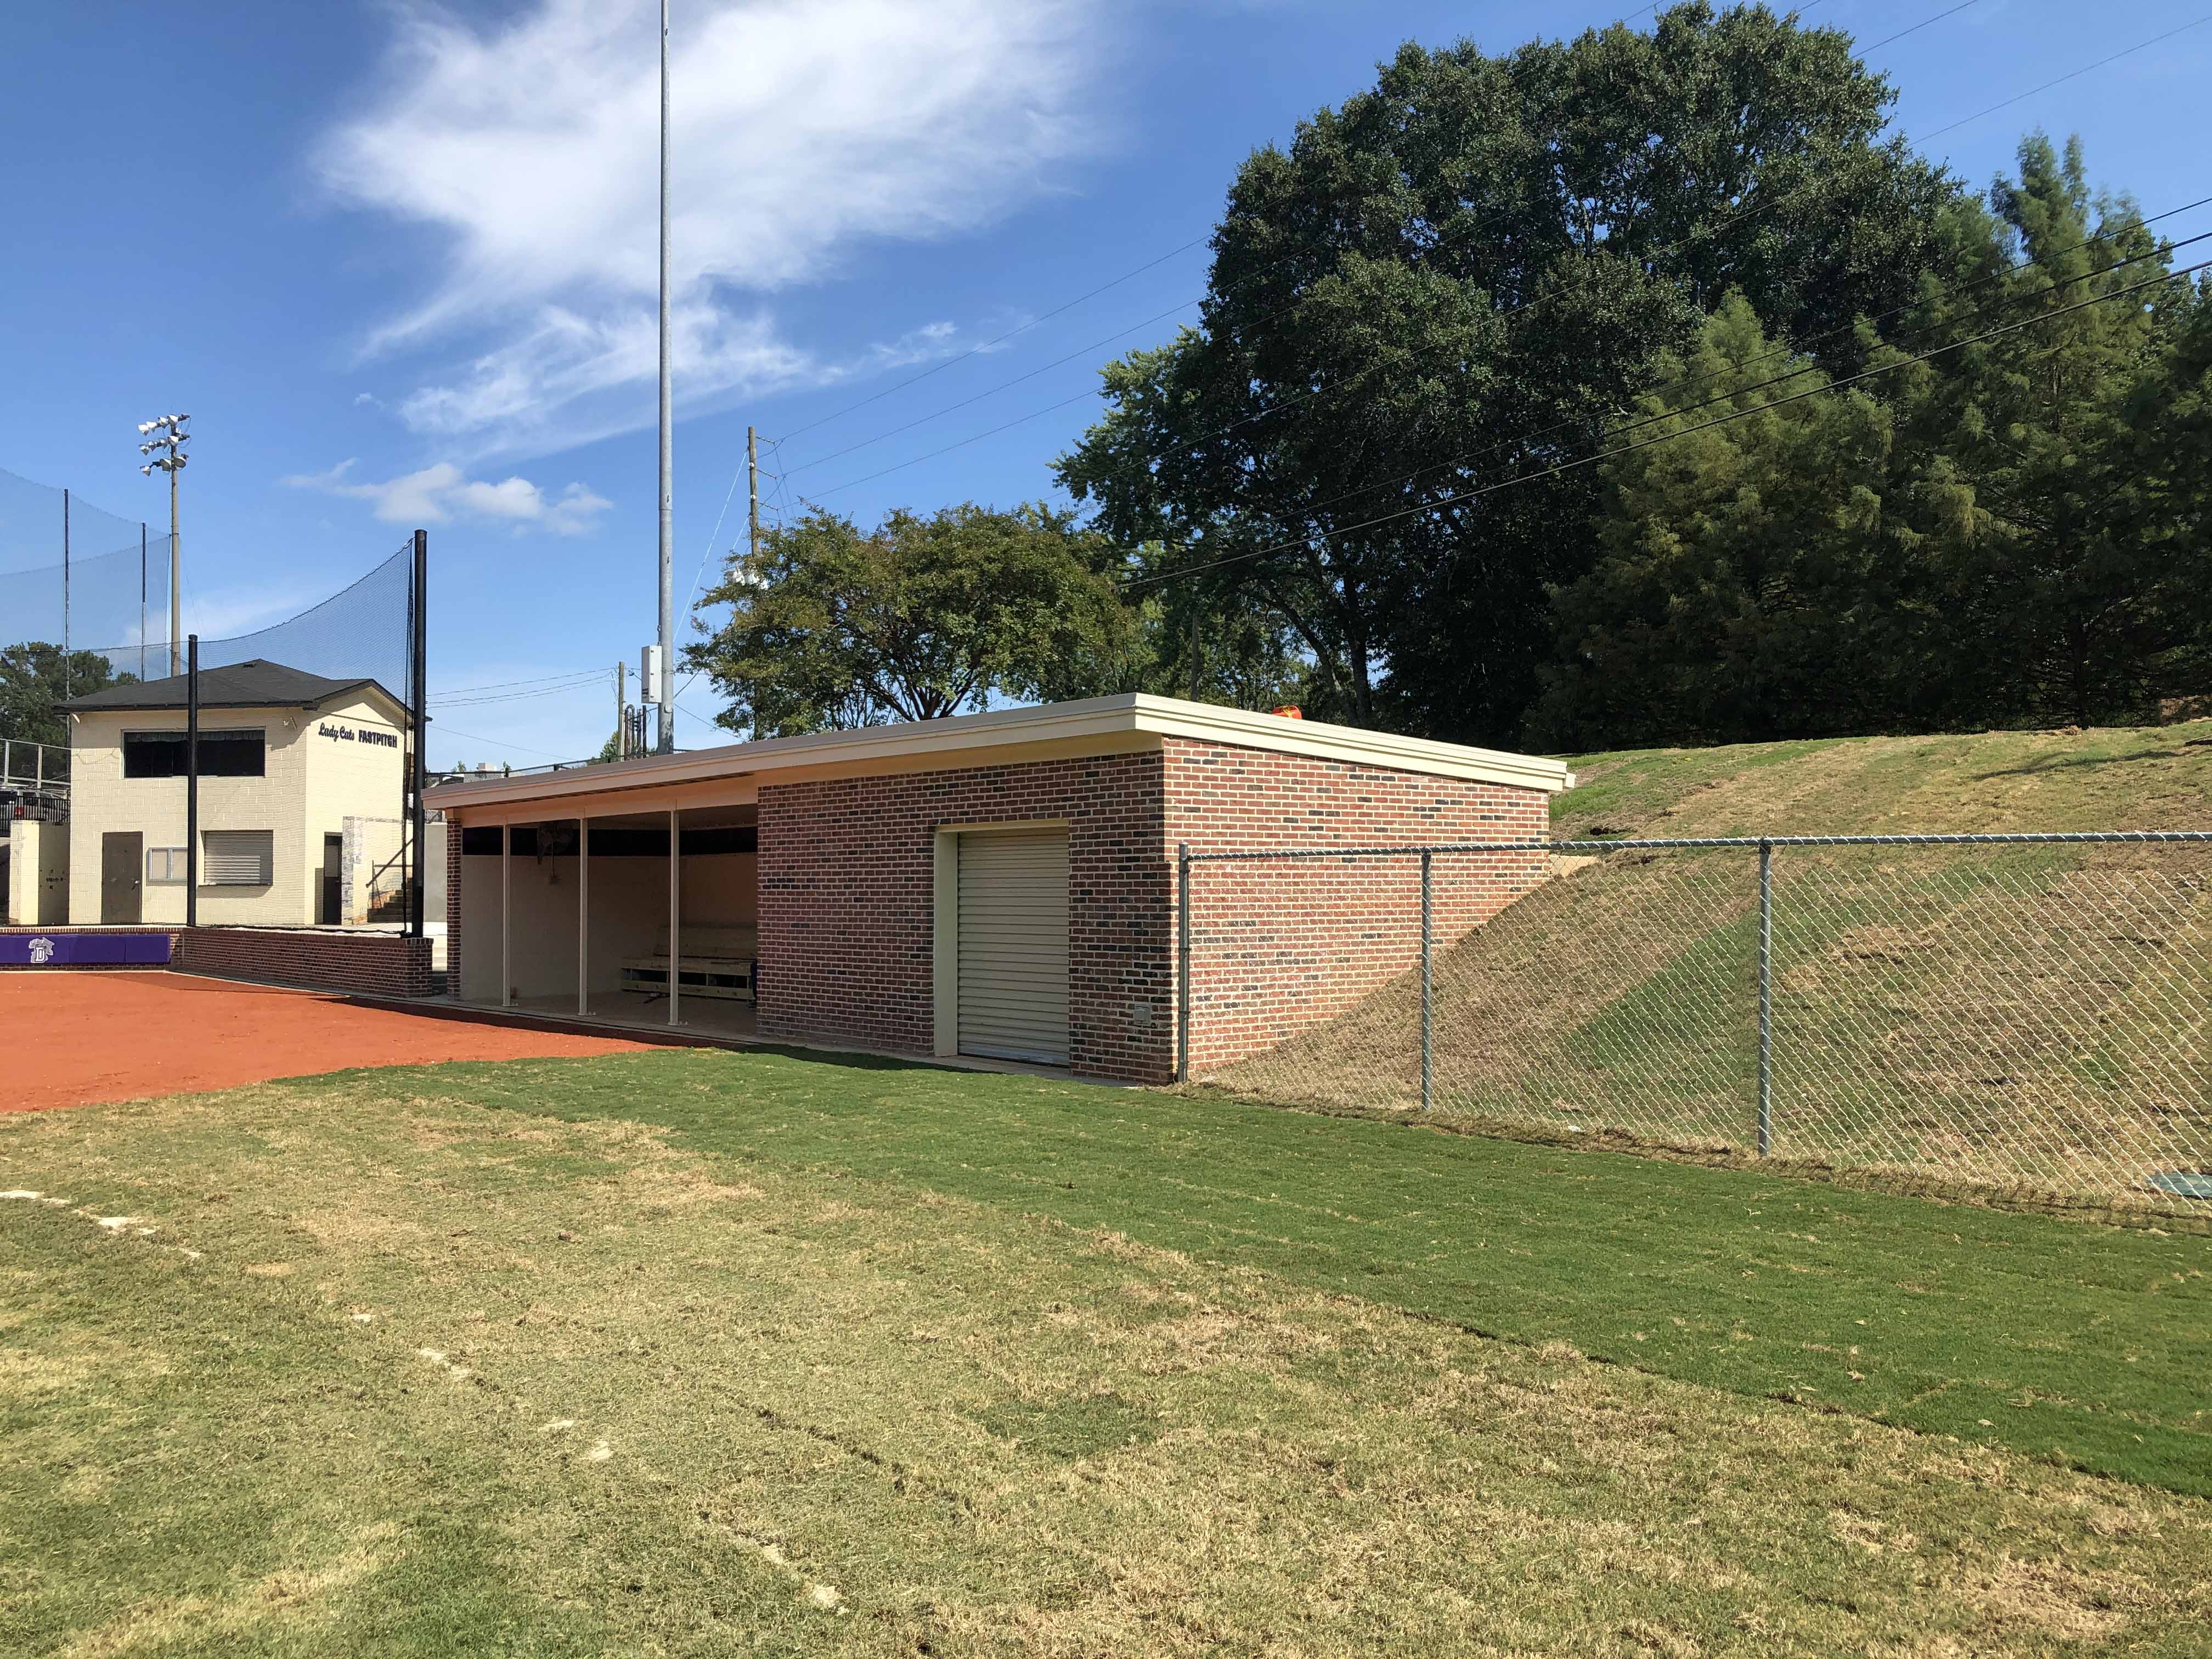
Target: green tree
x,y
2010,532
1461,277
2089,581
32,679
1791,573
917,619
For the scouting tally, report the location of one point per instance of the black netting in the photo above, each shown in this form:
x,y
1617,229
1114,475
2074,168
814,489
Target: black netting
x,y
70,573
363,632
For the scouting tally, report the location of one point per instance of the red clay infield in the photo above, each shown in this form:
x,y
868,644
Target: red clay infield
x,y
70,1039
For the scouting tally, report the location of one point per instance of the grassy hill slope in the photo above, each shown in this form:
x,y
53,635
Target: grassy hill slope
x,y
2028,1017
1982,783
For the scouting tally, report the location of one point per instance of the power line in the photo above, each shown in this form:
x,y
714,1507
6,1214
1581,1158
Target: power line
x,y
1001,339
444,730
1669,437
1722,227
2070,75
1080,351
504,685
1789,350
1021,420
1004,385
1917,27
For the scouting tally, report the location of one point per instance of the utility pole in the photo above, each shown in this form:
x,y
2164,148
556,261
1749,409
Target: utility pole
x,y
65,596
622,711
752,509
664,693
166,439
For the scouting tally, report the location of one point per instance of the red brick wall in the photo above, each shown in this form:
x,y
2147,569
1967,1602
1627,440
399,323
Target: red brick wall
x,y
378,964
1280,945
847,875
848,912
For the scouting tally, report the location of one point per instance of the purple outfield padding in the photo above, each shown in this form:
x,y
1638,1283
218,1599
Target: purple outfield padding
x,y
84,950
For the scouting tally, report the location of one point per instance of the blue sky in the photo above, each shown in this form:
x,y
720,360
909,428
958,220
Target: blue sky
x,y
397,262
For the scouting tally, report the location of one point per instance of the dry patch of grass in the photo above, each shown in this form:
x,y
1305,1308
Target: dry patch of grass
x,y
615,1396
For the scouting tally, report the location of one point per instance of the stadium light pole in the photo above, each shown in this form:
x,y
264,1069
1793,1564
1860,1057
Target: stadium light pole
x,y
664,694
165,440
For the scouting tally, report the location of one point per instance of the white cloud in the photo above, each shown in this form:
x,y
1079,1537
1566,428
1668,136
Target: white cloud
x,y
440,493
802,129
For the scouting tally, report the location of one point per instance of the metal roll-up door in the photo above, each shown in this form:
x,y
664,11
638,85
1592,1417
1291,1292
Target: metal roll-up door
x,y
1013,944
238,857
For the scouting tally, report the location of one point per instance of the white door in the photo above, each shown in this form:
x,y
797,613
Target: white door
x,y
1013,944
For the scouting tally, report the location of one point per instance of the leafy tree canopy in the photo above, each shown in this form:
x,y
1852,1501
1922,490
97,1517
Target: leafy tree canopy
x,y
919,618
2011,533
1461,277
35,678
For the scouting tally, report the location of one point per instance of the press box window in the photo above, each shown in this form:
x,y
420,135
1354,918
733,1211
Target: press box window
x,y
238,857
227,754
165,866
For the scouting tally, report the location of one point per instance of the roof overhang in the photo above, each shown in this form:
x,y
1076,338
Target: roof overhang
x,y
355,691
1098,726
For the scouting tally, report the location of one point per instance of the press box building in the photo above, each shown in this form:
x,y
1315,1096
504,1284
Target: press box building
x,y
300,799
1000,885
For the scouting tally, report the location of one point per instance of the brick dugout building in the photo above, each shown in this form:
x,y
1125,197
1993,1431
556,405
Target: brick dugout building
x,y
1001,886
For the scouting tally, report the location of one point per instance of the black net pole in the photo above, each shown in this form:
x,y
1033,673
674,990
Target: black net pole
x,y
191,781
418,768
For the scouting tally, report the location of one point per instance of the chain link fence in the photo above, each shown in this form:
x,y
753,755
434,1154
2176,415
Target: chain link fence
x,y
2018,1012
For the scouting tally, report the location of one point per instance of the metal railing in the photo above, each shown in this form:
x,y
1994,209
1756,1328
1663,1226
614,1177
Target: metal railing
x,y
42,768
2009,1009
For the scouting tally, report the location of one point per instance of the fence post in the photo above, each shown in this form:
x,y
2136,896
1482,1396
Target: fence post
x,y
1428,1045
1765,995
1183,962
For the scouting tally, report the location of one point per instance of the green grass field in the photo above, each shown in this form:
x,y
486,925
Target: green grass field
x,y
694,1353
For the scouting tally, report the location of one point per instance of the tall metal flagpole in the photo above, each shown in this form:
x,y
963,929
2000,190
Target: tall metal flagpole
x,y
665,693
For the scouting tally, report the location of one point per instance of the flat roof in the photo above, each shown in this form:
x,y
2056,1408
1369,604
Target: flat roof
x,y
1130,722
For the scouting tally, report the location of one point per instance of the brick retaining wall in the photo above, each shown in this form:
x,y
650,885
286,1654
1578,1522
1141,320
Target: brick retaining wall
x,y
378,964
1280,945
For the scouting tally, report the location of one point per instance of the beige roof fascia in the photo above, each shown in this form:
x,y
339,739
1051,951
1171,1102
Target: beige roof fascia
x,y
1097,725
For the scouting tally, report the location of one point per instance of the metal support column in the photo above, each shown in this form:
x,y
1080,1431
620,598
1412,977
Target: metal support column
x,y
505,903
675,909
1183,962
583,914
1766,996
192,780
1428,1045
418,769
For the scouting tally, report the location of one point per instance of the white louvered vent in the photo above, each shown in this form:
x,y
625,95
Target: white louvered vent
x,y
238,857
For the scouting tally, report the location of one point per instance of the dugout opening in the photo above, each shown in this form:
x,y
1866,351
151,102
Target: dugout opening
x,y
591,918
